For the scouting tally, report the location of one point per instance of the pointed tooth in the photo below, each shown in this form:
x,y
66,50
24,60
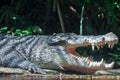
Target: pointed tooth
x,y
109,65
102,61
90,64
87,61
87,58
108,45
112,44
98,64
94,64
93,47
112,64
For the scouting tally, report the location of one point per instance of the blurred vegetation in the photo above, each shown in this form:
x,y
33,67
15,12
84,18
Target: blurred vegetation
x,y
24,17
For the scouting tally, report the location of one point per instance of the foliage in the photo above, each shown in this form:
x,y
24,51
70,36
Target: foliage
x,y
99,16
18,32
115,54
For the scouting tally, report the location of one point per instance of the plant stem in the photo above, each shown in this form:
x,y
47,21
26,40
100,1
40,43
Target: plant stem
x,y
81,20
60,16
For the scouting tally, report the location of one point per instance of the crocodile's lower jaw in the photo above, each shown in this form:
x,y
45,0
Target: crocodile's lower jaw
x,y
89,67
87,70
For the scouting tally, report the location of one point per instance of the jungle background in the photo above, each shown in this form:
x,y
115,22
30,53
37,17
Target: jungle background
x,y
84,17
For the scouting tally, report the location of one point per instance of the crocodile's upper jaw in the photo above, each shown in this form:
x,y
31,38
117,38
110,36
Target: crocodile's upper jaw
x,y
73,41
78,41
99,41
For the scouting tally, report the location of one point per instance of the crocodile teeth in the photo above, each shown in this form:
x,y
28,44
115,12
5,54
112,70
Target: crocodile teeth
x,y
112,44
98,63
108,45
87,58
87,63
93,47
94,64
102,61
90,64
109,65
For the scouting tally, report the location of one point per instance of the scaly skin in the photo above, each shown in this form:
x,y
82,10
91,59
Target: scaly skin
x,y
35,52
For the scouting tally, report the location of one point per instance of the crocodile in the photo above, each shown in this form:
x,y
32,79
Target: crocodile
x,y
54,52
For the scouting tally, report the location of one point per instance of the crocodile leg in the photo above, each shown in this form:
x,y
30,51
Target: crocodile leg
x,y
14,60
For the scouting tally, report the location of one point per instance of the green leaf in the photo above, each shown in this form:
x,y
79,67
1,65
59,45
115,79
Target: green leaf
x,y
4,28
37,29
8,32
114,55
26,32
118,63
87,1
14,18
18,32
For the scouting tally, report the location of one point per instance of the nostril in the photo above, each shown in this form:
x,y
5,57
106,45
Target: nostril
x,y
86,40
103,39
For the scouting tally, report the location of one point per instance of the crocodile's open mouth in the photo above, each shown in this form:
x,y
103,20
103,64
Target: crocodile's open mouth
x,y
90,66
